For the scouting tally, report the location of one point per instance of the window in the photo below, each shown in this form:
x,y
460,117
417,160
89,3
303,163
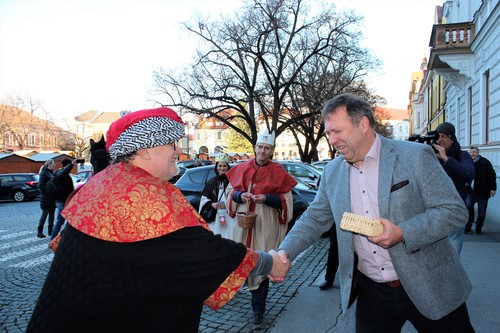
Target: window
x,y
31,140
5,180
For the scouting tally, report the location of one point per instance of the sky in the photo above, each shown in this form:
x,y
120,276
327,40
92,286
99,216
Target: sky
x,y
80,55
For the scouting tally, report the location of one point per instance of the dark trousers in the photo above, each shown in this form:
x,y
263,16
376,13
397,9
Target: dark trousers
x,y
41,223
259,297
381,308
332,263
482,206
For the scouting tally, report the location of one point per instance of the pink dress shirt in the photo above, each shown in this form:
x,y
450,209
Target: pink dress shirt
x,y
374,261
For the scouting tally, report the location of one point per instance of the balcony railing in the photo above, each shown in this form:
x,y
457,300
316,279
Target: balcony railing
x,y
454,38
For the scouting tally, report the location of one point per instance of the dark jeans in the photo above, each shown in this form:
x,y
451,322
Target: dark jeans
x,y
59,220
482,205
259,297
41,223
333,257
381,308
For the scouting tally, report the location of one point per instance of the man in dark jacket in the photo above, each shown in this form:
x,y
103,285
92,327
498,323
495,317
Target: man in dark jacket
x,y
64,190
458,165
484,187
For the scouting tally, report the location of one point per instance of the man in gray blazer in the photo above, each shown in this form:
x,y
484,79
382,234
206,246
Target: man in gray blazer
x,y
411,271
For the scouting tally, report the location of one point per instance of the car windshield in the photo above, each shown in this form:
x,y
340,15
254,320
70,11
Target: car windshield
x,y
302,185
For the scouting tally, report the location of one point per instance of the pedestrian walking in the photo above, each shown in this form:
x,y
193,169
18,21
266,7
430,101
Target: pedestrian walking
x,y
480,191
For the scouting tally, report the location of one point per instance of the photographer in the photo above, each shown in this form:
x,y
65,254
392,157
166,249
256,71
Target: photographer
x,y
65,188
458,166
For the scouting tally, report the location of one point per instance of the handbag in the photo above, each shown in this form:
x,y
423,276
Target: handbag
x,y
208,212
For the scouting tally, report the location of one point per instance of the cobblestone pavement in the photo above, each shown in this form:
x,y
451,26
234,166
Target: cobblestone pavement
x,y
25,261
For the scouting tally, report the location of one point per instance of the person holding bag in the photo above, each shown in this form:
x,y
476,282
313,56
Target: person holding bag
x,y
212,203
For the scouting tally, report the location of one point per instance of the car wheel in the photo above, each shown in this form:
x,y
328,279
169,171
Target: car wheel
x,y
19,196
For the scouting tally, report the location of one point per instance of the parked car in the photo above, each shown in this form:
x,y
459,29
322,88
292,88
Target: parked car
x,y
193,182
303,171
81,178
320,164
19,186
190,163
174,179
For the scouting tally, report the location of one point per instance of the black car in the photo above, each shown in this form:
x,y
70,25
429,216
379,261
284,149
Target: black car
x,y
193,182
19,186
187,164
190,163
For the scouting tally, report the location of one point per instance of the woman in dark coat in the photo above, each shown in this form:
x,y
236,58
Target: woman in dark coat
x,y
47,203
214,195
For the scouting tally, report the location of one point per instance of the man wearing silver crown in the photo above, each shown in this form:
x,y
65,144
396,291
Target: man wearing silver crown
x,y
263,187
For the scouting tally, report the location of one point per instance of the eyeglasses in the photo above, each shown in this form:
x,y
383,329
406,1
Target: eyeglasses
x,y
174,144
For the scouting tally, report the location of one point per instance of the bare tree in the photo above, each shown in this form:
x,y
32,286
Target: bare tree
x,y
250,63
26,123
80,136
337,70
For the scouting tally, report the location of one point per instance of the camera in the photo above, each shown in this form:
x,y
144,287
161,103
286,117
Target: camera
x,y
429,138
80,160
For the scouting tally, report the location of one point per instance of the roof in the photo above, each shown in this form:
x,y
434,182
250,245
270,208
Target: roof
x,y
13,158
106,118
25,152
45,156
397,114
3,155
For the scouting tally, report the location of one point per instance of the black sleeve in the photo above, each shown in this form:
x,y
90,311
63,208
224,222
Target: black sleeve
x,y
273,200
65,171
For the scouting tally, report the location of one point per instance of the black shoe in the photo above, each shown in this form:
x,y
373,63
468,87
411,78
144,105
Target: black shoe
x,y
40,235
469,231
479,232
258,320
326,285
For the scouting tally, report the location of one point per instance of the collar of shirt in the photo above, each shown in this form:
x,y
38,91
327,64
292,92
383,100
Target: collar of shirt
x,y
373,153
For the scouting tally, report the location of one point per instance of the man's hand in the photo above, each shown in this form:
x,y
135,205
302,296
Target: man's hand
x,y
259,198
492,193
281,266
391,236
246,196
441,152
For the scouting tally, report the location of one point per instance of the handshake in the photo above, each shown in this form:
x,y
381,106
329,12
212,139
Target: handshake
x,y
281,266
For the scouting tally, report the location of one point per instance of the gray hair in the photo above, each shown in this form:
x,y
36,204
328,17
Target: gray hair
x,y
356,108
49,162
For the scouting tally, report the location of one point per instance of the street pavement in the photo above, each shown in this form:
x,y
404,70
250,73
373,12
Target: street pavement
x,y
295,306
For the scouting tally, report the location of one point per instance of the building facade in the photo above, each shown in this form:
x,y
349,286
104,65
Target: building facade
x,y
461,83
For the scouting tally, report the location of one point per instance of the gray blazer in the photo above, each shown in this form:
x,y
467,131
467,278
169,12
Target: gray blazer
x,y
415,193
